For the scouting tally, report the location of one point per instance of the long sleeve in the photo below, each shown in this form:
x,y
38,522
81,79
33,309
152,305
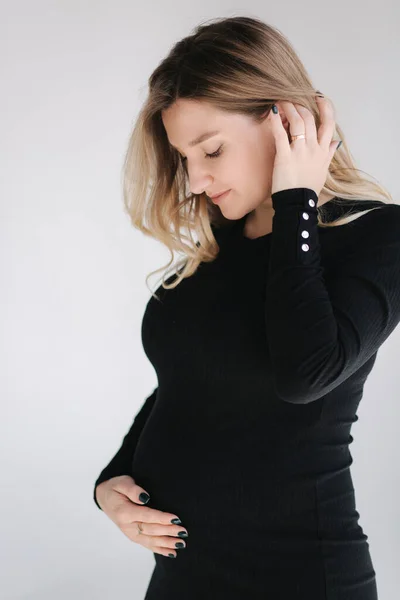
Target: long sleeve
x,y
120,464
322,327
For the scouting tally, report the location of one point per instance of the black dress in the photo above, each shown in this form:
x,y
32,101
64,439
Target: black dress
x,y
261,359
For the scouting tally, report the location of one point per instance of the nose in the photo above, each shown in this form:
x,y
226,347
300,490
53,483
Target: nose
x,y
199,182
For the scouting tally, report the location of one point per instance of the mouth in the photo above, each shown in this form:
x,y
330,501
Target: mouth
x,y
220,196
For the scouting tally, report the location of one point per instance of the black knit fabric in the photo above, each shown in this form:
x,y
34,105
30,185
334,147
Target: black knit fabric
x,y
261,359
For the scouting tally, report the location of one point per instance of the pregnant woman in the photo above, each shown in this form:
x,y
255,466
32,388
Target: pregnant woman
x,y
236,471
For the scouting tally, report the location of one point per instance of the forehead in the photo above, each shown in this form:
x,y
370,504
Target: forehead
x,y
185,109
189,122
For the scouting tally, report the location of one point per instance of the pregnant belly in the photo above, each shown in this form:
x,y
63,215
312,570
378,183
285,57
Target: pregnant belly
x,y
225,488
250,516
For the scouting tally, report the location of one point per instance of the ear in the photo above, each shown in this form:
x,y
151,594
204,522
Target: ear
x,y
285,121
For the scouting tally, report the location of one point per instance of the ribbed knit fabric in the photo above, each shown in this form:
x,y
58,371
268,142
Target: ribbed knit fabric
x,y
120,464
261,359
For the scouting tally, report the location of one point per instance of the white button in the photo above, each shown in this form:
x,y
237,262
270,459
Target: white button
x,y
311,202
305,234
305,216
305,247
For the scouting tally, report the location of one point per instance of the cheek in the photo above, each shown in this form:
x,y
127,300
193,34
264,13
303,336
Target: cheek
x,y
250,168
259,167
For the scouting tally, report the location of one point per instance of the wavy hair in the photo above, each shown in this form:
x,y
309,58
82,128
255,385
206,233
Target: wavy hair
x,y
239,65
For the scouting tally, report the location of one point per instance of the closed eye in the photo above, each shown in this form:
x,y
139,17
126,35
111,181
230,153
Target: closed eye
x,y
213,155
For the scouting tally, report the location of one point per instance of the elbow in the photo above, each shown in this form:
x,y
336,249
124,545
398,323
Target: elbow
x,y
295,392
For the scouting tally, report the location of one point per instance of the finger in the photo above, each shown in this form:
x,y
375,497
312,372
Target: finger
x,y
159,544
148,537
163,544
279,132
155,529
145,514
166,542
139,497
161,539
296,121
332,149
126,485
310,126
328,122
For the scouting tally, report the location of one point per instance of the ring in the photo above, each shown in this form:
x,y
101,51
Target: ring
x,y
139,527
301,136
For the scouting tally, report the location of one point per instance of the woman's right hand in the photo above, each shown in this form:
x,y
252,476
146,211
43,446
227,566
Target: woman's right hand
x,y
118,497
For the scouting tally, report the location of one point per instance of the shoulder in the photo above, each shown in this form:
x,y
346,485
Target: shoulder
x,y
374,225
372,238
374,244
381,221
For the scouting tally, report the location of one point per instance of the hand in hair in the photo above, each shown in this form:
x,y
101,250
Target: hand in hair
x,y
304,162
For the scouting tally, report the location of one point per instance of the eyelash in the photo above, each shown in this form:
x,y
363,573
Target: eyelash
x,y
213,155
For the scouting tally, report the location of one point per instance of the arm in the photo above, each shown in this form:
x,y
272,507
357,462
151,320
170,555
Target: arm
x,y
321,331
121,463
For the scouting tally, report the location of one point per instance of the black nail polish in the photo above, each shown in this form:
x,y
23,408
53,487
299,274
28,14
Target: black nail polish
x,y
172,555
183,534
143,497
176,521
275,109
179,545
339,144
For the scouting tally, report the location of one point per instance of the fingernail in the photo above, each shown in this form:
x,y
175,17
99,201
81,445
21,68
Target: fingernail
x,y
172,555
143,497
320,94
176,521
339,144
183,534
275,109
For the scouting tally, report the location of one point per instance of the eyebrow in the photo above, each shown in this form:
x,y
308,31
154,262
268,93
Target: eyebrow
x,y
201,138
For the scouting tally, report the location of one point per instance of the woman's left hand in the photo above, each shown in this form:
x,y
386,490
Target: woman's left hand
x,y
304,162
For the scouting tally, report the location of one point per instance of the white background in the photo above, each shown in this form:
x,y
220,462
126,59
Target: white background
x,y
73,371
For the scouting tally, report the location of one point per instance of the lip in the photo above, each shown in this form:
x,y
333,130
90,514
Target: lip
x,y
219,196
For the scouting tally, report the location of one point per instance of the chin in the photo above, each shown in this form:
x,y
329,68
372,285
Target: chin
x,y
234,213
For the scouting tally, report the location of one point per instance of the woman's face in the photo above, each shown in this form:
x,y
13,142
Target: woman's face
x,y
245,163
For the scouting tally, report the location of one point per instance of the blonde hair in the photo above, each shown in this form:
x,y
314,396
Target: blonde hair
x,y
239,65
